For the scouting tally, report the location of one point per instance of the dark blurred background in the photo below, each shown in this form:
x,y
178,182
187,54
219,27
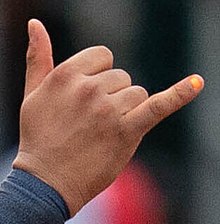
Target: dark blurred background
x,y
158,43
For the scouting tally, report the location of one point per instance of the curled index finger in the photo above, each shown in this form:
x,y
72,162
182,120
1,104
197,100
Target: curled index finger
x,y
90,61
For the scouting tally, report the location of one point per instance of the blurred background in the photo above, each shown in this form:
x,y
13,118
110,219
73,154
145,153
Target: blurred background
x,y
175,175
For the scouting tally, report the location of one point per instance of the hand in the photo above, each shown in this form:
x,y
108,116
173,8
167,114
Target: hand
x,y
82,121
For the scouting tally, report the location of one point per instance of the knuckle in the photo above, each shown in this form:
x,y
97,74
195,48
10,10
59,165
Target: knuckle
x,y
87,88
31,54
180,95
63,74
141,92
157,107
66,68
136,95
123,75
106,54
106,51
104,108
59,77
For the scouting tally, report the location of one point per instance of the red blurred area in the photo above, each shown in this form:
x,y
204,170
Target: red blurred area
x,y
135,198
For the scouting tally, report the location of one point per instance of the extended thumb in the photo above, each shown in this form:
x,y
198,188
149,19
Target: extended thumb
x,y
39,56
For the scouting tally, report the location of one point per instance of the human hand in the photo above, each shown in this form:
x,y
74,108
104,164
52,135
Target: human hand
x,y
82,121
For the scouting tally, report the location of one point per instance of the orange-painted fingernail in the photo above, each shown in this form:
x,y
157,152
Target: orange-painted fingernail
x,y
196,82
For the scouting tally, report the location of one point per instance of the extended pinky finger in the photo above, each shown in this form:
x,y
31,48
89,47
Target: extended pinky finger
x,y
163,104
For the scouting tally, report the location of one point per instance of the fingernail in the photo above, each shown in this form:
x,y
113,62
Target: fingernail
x,y
196,82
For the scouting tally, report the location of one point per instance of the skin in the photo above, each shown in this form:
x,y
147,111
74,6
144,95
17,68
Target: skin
x,y
82,121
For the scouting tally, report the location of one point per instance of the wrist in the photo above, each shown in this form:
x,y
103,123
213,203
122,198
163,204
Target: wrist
x,y
54,177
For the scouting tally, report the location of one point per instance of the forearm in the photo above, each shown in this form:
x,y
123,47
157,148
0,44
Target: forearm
x,y
26,199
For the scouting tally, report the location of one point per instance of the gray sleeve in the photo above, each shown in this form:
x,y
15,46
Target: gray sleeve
x,y
26,199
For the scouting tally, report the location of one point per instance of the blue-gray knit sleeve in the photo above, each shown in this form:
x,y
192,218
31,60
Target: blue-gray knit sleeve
x,y
26,199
